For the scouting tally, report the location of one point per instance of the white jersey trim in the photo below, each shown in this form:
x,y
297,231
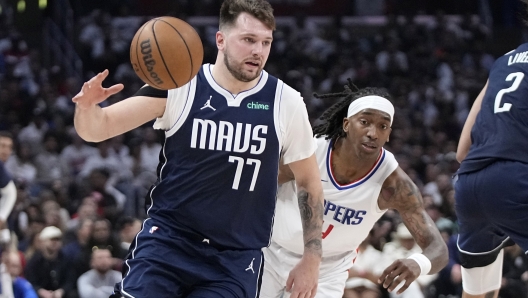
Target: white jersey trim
x,y
277,112
234,100
358,182
186,109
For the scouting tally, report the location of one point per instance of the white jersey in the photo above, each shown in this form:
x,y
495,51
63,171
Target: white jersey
x,y
350,211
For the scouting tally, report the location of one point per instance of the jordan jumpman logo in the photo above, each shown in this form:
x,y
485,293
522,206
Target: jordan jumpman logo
x,y
208,104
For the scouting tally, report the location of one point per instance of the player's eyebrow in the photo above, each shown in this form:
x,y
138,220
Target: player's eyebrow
x,y
255,35
383,114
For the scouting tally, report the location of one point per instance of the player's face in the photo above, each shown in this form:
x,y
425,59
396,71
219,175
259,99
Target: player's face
x,y
6,148
367,131
246,47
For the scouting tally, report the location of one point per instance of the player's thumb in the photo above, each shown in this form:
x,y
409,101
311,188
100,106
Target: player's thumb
x,y
289,282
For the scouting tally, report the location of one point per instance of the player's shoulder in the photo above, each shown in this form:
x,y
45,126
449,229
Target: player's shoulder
x,y
515,57
389,155
321,141
521,48
289,95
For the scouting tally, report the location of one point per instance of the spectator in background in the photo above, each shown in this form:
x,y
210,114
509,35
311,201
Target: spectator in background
x,y
106,158
363,276
128,229
87,210
101,237
33,133
75,154
150,150
21,287
50,167
48,270
100,280
109,200
79,237
514,273
401,247
20,165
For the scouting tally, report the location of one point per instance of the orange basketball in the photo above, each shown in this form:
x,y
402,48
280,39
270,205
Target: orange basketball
x,y
166,53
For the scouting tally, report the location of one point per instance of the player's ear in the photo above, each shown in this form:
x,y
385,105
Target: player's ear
x,y
345,124
220,40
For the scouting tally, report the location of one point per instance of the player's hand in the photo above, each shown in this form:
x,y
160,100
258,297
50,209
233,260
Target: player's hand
x,y
401,270
92,92
302,280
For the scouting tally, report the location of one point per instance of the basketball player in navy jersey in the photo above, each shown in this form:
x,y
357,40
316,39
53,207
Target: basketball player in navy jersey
x,y
491,193
211,210
361,181
8,190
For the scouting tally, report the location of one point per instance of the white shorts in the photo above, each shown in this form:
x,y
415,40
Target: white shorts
x,y
278,262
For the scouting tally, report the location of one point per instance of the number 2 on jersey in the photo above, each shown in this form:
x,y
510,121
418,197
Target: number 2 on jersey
x,y
240,165
517,79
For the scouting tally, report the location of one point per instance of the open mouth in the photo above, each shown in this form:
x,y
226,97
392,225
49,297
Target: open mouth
x,y
252,64
369,147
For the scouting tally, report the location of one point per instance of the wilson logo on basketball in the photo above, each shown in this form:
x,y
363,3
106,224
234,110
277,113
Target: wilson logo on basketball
x,y
149,62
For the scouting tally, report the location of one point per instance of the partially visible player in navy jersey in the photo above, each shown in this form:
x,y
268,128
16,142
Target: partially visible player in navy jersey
x,y
8,191
491,191
211,210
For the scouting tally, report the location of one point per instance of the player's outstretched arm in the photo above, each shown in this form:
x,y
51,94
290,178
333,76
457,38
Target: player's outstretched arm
x,y
302,281
465,137
400,193
95,124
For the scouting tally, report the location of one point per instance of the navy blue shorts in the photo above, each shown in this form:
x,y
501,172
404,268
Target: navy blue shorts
x,y
492,208
162,263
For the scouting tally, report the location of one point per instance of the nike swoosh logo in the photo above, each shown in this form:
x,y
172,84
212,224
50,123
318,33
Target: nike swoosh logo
x,y
324,180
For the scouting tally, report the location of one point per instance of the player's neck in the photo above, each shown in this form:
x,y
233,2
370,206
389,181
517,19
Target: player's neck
x,y
226,80
348,165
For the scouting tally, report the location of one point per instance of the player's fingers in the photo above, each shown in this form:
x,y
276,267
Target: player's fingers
x,y
81,93
102,75
405,286
386,273
289,283
397,280
313,292
294,294
113,89
304,294
390,277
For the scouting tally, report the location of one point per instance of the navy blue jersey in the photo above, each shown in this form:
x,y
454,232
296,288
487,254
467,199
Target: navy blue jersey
x,y
4,176
500,131
218,176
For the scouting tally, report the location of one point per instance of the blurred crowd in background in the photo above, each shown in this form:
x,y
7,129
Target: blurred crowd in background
x,y
79,205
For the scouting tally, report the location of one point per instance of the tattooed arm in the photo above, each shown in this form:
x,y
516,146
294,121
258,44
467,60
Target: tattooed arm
x,y
310,196
400,193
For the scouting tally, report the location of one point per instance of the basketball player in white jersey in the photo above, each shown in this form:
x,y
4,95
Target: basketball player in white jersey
x,y
361,180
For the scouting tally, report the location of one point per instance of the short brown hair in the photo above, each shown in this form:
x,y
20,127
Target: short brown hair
x,y
260,9
6,134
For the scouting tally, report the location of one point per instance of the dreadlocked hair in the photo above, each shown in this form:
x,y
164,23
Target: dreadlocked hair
x,y
332,119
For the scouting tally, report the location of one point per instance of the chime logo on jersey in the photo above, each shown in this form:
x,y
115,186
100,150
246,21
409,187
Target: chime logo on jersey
x,y
226,136
344,215
254,105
